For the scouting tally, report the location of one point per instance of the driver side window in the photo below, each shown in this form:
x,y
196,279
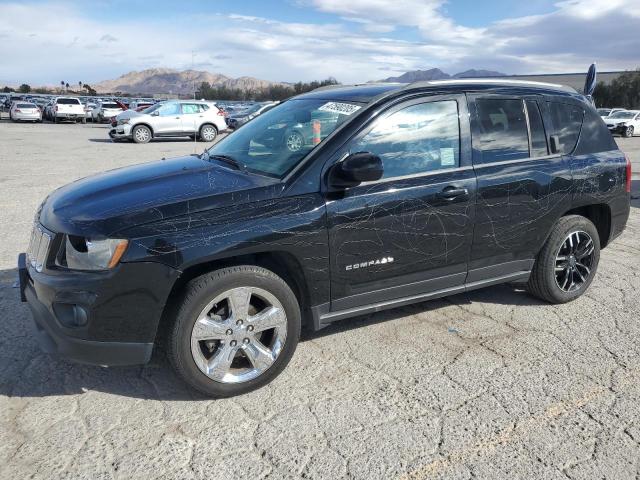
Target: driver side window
x,y
417,139
169,109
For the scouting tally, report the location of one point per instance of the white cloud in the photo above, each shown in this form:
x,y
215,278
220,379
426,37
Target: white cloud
x,y
364,38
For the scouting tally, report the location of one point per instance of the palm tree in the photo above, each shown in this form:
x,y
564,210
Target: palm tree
x,y
61,84
80,85
67,86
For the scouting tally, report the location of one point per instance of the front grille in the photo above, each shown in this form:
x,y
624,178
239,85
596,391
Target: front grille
x,y
38,247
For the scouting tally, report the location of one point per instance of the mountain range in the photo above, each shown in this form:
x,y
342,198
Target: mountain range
x,y
437,74
167,80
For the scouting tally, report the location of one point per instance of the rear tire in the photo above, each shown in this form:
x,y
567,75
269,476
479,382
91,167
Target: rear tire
x,y
141,134
563,271
207,133
252,362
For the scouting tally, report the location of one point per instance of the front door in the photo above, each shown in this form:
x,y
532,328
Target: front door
x,y
169,119
410,232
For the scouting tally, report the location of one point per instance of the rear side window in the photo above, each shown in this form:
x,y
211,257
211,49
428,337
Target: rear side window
x,y
503,129
536,127
567,120
417,139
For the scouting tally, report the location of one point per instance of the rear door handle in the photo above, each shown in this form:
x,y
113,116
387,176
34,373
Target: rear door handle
x,y
453,192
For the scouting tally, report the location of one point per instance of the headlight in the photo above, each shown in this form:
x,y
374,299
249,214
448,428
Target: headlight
x,y
79,253
123,121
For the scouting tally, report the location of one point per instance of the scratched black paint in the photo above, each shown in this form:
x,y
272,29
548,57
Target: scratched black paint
x,y
185,212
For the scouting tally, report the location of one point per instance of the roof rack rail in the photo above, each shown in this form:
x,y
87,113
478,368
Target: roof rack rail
x,y
490,81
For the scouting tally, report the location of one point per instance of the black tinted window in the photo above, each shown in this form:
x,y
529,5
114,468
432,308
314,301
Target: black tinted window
x,y
567,120
538,137
68,101
416,139
503,129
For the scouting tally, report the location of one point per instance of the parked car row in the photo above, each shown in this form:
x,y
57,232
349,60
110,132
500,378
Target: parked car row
x,y
621,121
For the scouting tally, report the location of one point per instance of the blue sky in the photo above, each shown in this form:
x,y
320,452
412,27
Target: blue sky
x,y
289,40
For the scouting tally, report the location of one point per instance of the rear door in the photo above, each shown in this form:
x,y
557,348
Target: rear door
x,y
522,187
410,232
192,115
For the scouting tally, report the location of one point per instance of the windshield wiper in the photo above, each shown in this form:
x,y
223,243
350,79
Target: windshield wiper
x,y
226,159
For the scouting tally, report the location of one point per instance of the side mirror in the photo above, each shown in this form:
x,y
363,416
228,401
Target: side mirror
x,y
355,169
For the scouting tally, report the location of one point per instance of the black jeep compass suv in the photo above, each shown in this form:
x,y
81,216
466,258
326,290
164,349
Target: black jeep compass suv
x,y
336,203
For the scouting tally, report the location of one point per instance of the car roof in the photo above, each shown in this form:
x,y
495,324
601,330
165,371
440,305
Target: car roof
x,y
366,93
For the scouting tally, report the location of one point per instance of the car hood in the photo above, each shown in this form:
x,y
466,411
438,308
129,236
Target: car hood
x,y
616,121
129,114
105,204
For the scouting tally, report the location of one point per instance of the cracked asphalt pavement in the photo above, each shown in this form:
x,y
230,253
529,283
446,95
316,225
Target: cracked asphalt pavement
x,y
490,384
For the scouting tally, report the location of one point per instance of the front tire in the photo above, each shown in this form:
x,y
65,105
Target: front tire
x,y
628,132
567,263
236,329
141,134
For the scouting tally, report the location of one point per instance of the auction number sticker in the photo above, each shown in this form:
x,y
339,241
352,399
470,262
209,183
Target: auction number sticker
x,y
341,108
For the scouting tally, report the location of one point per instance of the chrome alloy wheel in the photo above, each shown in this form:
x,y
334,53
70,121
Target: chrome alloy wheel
x,y
574,261
239,335
143,135
208,133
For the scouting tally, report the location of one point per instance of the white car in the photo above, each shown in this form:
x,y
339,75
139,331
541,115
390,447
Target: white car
x,y
67,108
605,112
175,118
25,112
625,122
104,111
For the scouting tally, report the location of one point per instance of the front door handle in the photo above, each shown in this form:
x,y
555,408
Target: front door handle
x,y
451,192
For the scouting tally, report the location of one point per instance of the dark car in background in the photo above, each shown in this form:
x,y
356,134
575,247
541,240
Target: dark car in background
x,y
237,119
394,195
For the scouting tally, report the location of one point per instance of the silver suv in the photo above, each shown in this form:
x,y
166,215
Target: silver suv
x,y
175,118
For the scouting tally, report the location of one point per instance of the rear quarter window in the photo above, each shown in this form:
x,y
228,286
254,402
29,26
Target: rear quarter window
x,y
567,122
595,136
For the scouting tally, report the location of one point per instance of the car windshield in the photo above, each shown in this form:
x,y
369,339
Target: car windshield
x,y
604,111
276,141
152,108
623,115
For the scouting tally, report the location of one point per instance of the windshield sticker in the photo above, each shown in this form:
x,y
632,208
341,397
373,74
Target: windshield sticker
x,y
447,157
341,108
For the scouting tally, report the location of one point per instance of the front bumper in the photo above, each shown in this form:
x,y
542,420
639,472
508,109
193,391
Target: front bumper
x,y
619,129
121,131
101,318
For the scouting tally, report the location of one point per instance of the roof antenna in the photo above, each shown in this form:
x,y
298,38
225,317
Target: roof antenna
x,y
590,83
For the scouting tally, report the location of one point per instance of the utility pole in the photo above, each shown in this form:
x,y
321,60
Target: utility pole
x,y
193,81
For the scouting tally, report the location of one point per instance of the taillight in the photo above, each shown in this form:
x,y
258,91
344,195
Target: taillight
x,y
18,110
222,113
627,182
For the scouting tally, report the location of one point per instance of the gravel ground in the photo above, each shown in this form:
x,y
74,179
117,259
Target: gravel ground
x,y
490,384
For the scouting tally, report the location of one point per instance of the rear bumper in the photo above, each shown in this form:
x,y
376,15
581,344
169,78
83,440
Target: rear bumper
x,y
95,320
69,115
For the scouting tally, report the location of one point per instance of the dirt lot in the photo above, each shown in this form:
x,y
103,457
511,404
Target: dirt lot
x,y
491,384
